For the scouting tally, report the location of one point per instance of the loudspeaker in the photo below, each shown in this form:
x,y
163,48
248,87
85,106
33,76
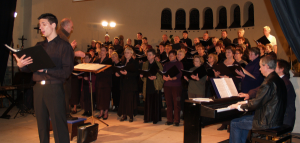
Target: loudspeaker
x,y
87,133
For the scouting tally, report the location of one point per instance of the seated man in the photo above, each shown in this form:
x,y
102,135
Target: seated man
x,y
269,104
282,70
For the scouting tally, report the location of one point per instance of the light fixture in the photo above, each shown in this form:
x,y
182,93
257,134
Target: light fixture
x,y
112,24
15,14
107,27
104,23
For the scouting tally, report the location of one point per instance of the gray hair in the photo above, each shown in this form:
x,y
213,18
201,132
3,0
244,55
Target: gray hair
x,y
65,22
270,61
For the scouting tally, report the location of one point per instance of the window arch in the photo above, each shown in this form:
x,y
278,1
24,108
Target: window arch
x,y
235,16
249,15
222,18
180,20
166,19
208,19
194,19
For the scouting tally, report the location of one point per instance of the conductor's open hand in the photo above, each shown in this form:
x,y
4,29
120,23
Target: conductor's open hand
x,y
21,62
74,44
124,72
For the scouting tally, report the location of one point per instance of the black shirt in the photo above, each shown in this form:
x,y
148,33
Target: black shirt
x,y
62,55
246,42
150,83
176,46
188,41
226,42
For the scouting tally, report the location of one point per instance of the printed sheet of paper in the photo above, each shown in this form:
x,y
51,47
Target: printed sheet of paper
x,y
226,87
89,66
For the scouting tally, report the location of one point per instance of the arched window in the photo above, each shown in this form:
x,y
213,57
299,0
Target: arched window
x,y
180,20
166,19
208,19
194,19
249,14
222,18
236,16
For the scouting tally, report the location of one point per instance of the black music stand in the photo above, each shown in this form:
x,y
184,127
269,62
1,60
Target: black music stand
x,y
85,68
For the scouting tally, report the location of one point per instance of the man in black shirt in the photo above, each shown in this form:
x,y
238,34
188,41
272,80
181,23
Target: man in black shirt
x,y
118,47
185,40
176,46
138,41
93,46
107,42
165,39
49,98
226,41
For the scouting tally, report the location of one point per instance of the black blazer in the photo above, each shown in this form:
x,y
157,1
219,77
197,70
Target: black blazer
x,y
129,82
104,79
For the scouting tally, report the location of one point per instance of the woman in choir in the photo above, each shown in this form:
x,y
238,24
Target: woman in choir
x,y
168,48
238,57
211,61
151,88
219,53
85,88
162,53
115,82
262,49
103,84
98,47
111,49
201,51
248,82
196,87
128,86
269,51
212,48
173,90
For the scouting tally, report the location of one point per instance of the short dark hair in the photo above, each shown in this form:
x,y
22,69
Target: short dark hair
x,y
88,54
225,31
173,52
105,48
239,50
184,47
285,65
111,47
152,51
145,38
140,33
255,50
232,49
50,17
185,32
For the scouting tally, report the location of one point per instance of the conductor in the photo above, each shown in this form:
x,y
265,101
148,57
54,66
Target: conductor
x,y
49,97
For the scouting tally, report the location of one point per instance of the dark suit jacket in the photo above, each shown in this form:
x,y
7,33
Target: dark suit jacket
x,y
129,82
226,42
104,79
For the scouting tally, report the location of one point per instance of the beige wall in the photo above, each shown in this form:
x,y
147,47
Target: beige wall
x,y
134,16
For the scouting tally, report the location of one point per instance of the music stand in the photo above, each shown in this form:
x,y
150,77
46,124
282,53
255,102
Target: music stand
x,y
92,68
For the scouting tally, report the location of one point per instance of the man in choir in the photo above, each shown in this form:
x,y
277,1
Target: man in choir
x,y
271,38
162,54
176,45
269,104
185,40
206,38
49,97
151,87
224,38
173,90
145,41
282,69
107,42
269,51
128,42
196,41
93,45
241,33
117,46
165,39
138,41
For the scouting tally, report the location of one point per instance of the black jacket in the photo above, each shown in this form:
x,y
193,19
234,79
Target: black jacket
x,y
269,103
129,82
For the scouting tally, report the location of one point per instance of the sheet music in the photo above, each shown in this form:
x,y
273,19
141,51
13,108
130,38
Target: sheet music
x,y
89,66
202,99
224,109
77,74
226,87
12,49
193,52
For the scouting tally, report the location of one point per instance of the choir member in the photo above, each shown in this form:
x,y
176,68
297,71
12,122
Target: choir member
x,y
118,47
162,54
212,48
92,52
138,41
145,41
185,40
121,40
271,38
98,46
151,88
173,90
241,33
196,87
224,38
201,51
269,51
107,42
245,50
165,39
168,49
211,61
206,38
238,57
103,84
86,89
115,82
93,46
128,86
128,42
176,46
219,53
196,41
248,82
111,49
262,49
187,54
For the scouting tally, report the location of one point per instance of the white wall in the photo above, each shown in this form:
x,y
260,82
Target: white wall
x,y
296,83
134,16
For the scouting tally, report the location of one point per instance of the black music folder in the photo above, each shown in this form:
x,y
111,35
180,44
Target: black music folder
x,y
40,58
206,43
229,71
141,58
263,40
137,42
151,72
201,71
128,67
173,71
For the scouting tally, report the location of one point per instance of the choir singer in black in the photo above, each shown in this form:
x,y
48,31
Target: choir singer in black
x,y
49,96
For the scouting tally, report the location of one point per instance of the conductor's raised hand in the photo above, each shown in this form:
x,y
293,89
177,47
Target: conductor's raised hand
x,y
21,62
117,74
124,72
74,44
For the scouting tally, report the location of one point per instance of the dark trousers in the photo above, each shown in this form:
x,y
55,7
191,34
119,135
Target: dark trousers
x,y
116,96
173,95
49,99
152,107
67,90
